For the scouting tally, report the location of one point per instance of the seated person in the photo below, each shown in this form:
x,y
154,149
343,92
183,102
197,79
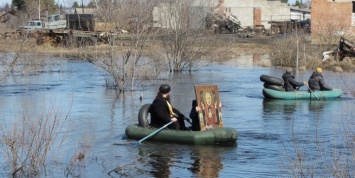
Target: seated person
x,y
194,116
316,81
162,112
290,84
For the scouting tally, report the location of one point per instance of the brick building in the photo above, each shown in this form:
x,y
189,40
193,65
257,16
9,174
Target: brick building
x,y
336,17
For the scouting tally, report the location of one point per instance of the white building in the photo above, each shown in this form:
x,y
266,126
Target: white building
x,y
258,12
251,13
298,14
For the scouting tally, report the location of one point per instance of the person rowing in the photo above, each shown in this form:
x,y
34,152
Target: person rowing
x,y
290,84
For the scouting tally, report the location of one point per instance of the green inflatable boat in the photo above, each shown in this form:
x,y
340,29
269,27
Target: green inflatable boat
x,y
209,137
294,95
213,136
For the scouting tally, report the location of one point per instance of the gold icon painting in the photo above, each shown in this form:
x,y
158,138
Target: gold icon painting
x,y
210,113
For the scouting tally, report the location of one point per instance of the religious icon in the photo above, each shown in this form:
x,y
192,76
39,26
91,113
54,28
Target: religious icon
x,y
210,113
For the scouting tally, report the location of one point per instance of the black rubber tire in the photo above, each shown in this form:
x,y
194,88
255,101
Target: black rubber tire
x,y
143,116
274,87
272,80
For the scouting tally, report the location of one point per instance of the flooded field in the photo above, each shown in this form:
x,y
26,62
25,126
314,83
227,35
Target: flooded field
x,y
276,138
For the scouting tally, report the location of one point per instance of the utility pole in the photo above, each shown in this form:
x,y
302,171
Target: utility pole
x,y
297,43
82,6
39,9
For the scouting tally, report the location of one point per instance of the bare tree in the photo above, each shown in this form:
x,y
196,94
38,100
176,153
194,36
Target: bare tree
x,y
328,32
307,4
123,59
33,7
137,53
293,51
22,59
184,37
32,10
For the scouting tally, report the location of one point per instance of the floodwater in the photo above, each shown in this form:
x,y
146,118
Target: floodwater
x,y
276,138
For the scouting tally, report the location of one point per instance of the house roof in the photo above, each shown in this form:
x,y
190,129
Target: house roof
x,y
68,10
85,10
296,9
78,10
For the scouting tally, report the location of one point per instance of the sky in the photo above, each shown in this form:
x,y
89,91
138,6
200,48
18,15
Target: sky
x,y
68,3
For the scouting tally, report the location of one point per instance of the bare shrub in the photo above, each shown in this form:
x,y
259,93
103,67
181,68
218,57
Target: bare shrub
x,y
78,159
313,58
347,64
28,139
296,51
327,33
284,52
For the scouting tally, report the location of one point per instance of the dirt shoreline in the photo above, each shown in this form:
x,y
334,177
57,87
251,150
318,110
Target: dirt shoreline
x,y
233,45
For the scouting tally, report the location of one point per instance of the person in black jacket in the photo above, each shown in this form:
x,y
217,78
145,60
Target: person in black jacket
x,y
194,116
162,112
316,81
290,84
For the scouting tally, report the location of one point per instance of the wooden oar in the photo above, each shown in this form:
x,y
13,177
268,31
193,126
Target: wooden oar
x,y
312,92
153,133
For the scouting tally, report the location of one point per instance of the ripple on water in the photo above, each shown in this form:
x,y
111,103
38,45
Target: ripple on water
x,y
269,131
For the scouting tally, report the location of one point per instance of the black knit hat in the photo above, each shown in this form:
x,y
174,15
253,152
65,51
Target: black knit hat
x,y
164,89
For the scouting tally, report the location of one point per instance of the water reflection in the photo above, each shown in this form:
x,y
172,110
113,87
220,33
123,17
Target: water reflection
x,y
276,107
207,162
161,164
289,108
317,106
159,160
165,160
